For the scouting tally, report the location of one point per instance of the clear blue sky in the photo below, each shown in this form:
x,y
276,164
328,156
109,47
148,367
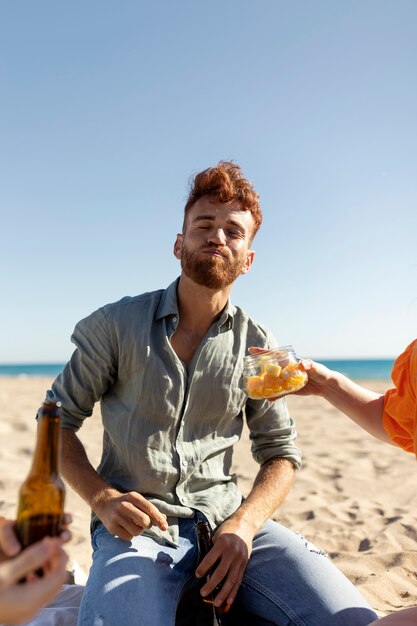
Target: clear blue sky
x,y
107,108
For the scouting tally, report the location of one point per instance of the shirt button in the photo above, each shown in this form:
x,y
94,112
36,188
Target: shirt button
x,y
185,500
174,319
184,463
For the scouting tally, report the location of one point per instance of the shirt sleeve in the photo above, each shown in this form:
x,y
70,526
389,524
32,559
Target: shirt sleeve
x,y
399,416
91,370
272,431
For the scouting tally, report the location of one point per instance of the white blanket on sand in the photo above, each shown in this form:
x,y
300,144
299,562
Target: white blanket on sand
x,y
63,611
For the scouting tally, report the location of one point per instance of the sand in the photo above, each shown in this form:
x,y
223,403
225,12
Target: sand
x,y
355,496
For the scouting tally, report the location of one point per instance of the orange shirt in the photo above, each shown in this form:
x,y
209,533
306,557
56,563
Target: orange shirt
x,y
400,404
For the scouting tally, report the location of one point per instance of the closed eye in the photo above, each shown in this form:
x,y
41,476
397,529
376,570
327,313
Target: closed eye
x,y
235,234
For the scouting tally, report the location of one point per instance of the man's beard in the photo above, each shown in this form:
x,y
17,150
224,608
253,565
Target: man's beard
x,y
211,271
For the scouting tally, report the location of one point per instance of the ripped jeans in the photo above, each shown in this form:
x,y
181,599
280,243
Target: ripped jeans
x,y
287,582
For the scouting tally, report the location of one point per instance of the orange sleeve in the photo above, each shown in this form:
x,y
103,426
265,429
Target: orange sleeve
x,y
399,417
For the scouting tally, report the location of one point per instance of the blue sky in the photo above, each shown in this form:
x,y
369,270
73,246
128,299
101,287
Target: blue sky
x,y
107,109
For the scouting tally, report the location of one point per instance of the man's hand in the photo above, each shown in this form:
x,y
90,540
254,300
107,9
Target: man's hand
x,y
230,554
126,515
234,538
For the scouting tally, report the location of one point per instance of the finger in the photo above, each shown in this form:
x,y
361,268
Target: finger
x,y
127,529
65,536
42,590
230,586
154,515
224,581
67,519
128,521
254,350
133,518
9,542
59,559
211,559
31,559
217,578
123,533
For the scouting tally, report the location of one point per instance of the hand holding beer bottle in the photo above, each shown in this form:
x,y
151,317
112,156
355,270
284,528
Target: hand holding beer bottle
x,y
40,514
205,544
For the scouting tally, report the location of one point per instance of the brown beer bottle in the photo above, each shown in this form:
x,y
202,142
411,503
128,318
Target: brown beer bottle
x,y
41,496
205,543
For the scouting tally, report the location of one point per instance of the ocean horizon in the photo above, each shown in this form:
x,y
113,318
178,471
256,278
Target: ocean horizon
x,y
358,369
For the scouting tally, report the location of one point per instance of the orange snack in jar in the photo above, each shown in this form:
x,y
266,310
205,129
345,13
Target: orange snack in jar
x,y
272,384
273,373
255,387
272,369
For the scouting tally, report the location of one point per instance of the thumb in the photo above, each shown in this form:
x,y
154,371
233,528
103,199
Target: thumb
x,y
254,350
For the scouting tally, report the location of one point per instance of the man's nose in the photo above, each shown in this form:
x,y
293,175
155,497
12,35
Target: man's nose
x,y
218,237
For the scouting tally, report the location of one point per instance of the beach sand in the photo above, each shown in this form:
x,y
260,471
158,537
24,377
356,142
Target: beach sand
x,y
355,496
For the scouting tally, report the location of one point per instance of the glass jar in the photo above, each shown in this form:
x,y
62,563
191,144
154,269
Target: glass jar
x,y
272,373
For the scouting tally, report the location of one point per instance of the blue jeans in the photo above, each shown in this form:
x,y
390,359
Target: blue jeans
x,y
287,582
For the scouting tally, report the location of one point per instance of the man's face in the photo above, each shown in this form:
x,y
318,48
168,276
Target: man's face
x,y
214,246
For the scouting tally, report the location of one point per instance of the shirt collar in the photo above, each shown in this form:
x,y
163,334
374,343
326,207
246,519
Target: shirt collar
x,y
168,305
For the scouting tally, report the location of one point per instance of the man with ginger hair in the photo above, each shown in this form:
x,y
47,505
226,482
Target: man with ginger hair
x,y
166,367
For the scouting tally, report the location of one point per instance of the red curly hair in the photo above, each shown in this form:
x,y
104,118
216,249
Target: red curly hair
x,y
225,183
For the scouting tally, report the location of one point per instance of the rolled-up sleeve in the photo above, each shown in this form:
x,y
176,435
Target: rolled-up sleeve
x,y
400,403
272,431
91,370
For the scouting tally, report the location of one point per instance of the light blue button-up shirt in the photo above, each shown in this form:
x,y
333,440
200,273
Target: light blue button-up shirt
x,y
169,430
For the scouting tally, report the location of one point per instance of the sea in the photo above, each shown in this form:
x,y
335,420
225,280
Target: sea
x,y
358,369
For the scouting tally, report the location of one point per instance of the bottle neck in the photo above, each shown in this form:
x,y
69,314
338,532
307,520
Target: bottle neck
x,y
46,456
204,540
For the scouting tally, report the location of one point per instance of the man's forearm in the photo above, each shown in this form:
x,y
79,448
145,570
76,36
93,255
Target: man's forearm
x,y
77,470
269,490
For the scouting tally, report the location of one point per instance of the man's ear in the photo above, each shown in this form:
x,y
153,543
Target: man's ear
x,y
249,261
178,246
